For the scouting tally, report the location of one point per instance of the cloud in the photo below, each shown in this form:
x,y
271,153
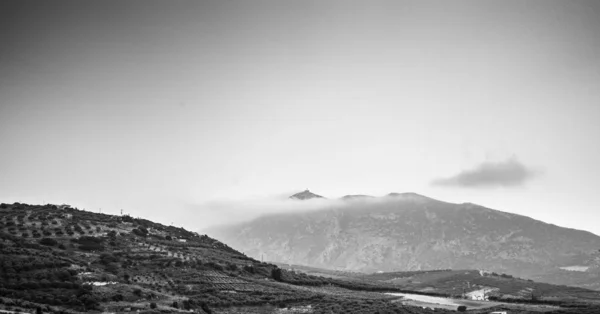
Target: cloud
x,y
232,211
508,173
210,216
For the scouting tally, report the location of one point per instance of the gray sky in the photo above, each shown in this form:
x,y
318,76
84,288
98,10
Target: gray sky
x,y
161,108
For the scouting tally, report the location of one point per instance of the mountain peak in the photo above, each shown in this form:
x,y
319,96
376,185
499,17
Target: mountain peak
x,y
305,195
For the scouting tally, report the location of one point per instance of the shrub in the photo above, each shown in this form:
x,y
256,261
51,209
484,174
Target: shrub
x,y
90,243
276,274
205,308
48,242
461,308
232,267
153,305
138,233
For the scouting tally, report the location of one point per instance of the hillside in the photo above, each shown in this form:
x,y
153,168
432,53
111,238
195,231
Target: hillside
x,y
409,232
465,283
57,259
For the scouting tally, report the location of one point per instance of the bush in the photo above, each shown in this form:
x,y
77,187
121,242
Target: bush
x,y
205,308
48,242
153,305
461,308
276,274
90,244
232,267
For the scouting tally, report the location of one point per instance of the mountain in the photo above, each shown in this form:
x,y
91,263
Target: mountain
x,y
305,195
408,231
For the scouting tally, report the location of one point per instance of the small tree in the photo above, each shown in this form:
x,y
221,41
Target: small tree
x,y
175,304
48,242
118,297
205,308
276,274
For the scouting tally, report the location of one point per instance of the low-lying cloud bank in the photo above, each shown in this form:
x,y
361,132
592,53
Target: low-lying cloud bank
x,y
508,173
224,212
211,215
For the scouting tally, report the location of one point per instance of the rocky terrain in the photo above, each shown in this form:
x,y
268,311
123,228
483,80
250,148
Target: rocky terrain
x,y
305,195
407,232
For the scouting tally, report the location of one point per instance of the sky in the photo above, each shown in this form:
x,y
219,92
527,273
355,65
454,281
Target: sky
x,y
183,112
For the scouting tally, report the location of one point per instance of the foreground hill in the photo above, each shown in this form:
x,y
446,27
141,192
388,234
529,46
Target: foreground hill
x,y
412,232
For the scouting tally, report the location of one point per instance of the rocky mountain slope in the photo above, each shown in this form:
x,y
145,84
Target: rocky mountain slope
x,y
305,195
407,231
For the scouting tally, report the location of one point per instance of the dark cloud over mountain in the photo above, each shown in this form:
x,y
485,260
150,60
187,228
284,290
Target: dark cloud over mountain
x,y
506,173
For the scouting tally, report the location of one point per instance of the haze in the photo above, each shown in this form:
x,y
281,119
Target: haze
x,y
164,109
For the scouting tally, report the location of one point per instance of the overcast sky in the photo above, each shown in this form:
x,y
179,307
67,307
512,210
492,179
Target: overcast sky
x,y
158,107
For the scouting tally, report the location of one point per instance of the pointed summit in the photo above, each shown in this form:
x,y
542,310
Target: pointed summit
x,y
305,195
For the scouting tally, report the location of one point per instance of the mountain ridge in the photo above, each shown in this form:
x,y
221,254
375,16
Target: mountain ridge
x,y
408,231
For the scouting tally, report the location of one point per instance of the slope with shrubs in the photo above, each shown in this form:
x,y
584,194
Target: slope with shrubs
x,y
64,260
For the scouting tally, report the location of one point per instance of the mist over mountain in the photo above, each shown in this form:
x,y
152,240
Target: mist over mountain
x,y
408,231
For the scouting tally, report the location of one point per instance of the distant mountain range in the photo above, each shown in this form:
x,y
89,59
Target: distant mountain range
x,y
408,231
